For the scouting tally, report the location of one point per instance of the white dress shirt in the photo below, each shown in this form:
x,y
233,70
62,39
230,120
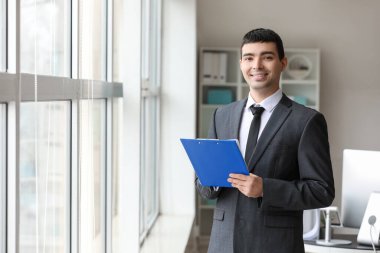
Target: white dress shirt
x,y
268,104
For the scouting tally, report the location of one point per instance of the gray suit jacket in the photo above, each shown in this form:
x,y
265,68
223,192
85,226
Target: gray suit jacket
x,y
293,158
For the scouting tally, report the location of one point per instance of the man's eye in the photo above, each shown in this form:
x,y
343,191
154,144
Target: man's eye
x,y
268,57
248,59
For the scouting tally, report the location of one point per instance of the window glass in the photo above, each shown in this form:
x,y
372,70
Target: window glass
x,y
149,177
117,117
116,156
2,176
45,37
2,35
92,39
117,39
151,43
150,122
92,163
44,176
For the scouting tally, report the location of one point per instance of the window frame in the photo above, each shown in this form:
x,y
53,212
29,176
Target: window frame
x,y
51,88
150,107
3,55
3,175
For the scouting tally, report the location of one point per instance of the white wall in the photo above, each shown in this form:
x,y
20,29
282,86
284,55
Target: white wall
x,y
178,105
347,33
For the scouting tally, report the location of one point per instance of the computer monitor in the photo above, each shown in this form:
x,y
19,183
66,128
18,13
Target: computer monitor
x,y
361,176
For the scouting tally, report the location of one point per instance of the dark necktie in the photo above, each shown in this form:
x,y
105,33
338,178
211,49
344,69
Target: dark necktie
x,y
246,206
253,132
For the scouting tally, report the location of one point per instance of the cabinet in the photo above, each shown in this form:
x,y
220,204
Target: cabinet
x,y
221,82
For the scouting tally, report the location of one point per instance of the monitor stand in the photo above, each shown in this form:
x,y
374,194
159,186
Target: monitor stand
x,y
328,241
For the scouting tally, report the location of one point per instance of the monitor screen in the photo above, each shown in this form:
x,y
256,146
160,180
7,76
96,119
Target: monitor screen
x,y
361,176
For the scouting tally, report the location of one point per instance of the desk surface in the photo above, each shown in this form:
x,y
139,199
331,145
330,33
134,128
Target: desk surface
x,y
312,247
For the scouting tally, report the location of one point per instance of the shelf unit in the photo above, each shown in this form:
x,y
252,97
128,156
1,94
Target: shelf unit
x,y
232,87
305,88
221,82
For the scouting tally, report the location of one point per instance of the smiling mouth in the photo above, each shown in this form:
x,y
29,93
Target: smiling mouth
x,y
260,75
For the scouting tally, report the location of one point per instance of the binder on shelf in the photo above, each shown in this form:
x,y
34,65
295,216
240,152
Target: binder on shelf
x,y
214,67
209,67
222,67
213,160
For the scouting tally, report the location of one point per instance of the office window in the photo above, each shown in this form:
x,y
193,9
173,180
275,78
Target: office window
x,y
117,129
2,35
92,162
118,25
117,117
92,39
45,37
44,176
149,119
149,164
2,176
60,184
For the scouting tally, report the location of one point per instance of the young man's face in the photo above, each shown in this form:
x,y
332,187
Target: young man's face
x,y
262,67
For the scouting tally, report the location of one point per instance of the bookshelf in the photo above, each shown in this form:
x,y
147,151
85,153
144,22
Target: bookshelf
x,y
301,79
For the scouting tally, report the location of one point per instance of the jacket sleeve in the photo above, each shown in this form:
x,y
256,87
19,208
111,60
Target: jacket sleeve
x,y
205,191
315,186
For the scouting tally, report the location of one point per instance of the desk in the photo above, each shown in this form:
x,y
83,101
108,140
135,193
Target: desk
x,y
312,247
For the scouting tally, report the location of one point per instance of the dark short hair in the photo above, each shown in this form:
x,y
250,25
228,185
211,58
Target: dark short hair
x,y
264,35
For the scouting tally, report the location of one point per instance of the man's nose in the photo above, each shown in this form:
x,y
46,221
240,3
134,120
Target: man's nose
x,y
257,64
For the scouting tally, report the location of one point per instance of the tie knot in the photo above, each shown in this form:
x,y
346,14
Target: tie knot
x,y
256,110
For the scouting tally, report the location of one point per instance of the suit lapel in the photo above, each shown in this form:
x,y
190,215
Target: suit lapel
x,y
235,118
277,118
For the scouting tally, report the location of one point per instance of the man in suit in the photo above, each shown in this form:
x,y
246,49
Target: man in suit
x,y
290,166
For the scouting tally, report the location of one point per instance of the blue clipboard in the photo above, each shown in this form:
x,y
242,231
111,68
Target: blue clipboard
x,y
213,160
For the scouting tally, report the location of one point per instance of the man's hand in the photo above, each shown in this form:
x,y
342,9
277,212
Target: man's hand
x,y
250,185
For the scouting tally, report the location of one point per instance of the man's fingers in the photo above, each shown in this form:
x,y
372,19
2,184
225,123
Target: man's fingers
x,y
250,186
238,176
241,188
237,183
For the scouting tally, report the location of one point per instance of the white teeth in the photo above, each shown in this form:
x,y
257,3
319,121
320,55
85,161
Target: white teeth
x,y
258,74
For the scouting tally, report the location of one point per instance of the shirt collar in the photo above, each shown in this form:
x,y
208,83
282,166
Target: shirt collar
x,y
269,103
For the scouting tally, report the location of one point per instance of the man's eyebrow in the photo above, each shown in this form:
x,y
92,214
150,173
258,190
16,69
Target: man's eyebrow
x,y
267,52
262,53
248,54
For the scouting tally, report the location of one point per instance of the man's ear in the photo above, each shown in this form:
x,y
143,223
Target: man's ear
x,y
284,63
